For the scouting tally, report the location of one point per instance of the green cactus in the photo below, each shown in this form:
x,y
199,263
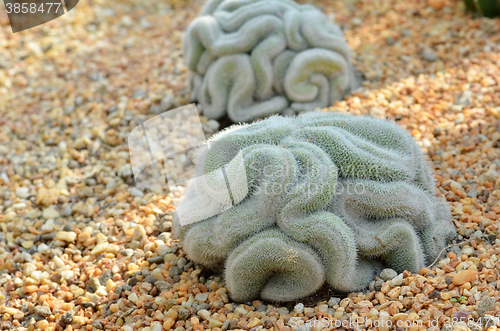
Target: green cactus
x,y
487,8
331,197
253,58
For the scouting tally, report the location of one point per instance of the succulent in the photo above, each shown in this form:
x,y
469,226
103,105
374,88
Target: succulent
x,y
253,58
487,8
320,197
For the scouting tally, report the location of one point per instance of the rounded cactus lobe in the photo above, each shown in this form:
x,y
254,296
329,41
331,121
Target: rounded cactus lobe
x,y
274,266
356,191
298,60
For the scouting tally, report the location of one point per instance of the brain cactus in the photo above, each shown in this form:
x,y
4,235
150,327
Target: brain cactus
x,y
331,197
253,58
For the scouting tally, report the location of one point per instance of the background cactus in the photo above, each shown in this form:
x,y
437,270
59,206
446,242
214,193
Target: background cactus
x,y
488,8
254,58
331,197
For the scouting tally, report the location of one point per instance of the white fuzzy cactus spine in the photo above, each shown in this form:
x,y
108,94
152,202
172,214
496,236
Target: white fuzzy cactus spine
x,y
340,196
253,58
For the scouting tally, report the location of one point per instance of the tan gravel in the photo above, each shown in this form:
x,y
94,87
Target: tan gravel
x,y
82,249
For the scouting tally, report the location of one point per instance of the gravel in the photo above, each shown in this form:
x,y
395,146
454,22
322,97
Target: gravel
x,y
80,244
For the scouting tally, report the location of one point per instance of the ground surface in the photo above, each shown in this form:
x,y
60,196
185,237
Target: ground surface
x,y
82,249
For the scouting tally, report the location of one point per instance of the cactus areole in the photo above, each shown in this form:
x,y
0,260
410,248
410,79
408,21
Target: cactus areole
x,y
321,197
253,58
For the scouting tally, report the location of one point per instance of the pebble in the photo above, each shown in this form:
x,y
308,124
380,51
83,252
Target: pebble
x,y
388,274
50,213
464,277
94,284
333,301
203,313
201,297
136,192
23,192
66,236
485,305
139,232
43,311
429,56
299,308
67,317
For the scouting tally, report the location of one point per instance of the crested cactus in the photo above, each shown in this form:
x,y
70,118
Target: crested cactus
x,y
253,58
331,197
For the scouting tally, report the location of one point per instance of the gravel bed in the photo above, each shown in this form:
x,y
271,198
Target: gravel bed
x,y
82,248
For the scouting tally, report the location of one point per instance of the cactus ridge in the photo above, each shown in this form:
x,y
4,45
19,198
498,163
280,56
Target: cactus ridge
x,y
251,59
322,192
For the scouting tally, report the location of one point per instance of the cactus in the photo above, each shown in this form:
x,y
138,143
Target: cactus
x,y
487,8
331,197
253,58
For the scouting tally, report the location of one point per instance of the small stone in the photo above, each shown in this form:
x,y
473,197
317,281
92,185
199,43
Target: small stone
x,y
99,248
183,314
463,98
98,325
27,244
87,304
333,301
397,281
429,56
50,213
66,236
473,193
203,313
485,305
150,279
174,271
43,311
133,297
139,232
464,277
107,275
388,274
299,308
322,308
437,4
135,192
67,317
163,286
201,297
23,192
213,323
434,295
155,259
94,284
163,249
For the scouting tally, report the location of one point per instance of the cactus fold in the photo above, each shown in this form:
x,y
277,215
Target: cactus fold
x,y
253,58
331,197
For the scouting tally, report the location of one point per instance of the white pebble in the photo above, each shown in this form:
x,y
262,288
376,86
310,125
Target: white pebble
x,y
299,308
67,274
136,192
133,297
43,248
203,313
23,192
201,297
163,249
397,281
50,213
58,262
